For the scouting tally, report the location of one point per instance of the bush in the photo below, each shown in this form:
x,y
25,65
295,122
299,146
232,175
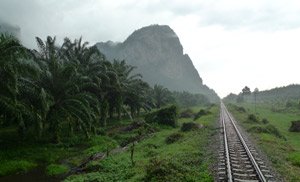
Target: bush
x,y
265,121
202,112
253,118
188,113
258,129
295,127
56,169
173,138
166,116
273,130
190,126
270,129
163,170
241,109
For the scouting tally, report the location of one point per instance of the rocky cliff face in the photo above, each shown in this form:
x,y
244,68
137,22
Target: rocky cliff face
x,y
158,55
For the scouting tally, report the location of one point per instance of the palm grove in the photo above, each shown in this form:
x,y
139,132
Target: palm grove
x,y
72,88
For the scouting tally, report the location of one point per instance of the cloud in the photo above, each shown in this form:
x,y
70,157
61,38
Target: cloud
x,y
224,38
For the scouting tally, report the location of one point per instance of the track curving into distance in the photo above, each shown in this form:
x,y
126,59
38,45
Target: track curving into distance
x,y
238,160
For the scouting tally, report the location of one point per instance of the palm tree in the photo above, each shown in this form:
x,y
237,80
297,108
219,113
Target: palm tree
x,y
13,66
63,85
137,97
123,87
92,64
161,95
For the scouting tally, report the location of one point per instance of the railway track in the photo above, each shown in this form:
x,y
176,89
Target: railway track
x,y
238,160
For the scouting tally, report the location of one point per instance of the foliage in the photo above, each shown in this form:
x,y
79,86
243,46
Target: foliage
x,y
190,126
295,127
166,116
163,170
237,108
270,129
253,118
174,137
201,113
71,85
265,121
294,158
240,98
186,99
56,169
161,96
188,113
59,97
246,91
13,166
100,144
187,160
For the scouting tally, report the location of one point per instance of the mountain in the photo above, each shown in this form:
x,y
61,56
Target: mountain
x,y
158,55
10,29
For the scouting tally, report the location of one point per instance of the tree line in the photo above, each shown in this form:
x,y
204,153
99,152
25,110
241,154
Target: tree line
x,y
71,86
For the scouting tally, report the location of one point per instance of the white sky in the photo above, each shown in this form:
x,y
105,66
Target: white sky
x,y
232,43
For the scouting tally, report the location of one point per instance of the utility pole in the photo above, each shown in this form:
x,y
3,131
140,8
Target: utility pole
x,y
255,95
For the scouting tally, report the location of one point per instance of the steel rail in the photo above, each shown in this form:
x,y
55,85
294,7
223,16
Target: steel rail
x,y
253,161
229,174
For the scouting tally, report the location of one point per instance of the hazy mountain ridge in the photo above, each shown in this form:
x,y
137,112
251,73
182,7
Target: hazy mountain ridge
x,y
286,93
158,54
280,94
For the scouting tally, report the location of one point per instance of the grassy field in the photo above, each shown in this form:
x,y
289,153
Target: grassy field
x,y
187,158
169,154
281,146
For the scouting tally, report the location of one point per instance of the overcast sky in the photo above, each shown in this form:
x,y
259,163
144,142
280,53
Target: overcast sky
x,y
232,43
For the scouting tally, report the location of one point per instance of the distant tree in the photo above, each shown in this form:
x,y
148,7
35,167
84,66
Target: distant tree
x,y
240,98
246,91
230,98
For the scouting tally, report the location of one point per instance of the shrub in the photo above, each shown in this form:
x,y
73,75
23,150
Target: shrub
x,y
240,109
163,170
166,116
202,112
188,113
273,130
258,129
174,137
265,121
270,129
295,127
253,118
56,169
190,126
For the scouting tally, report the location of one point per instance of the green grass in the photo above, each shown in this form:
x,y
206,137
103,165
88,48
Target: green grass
x,y
294,158
56,169
186,159
281,146
13,166
100,144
